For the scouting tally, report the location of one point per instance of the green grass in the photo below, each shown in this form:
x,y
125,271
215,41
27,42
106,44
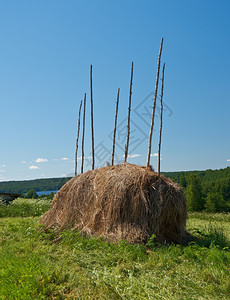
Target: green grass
x,y
39,265
208,221
25,208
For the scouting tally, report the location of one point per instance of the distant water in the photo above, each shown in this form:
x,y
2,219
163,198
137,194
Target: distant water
x,y
46,192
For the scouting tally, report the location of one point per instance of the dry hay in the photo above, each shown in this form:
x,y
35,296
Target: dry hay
x,y
121,202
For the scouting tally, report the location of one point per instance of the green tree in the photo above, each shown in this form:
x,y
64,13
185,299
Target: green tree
x,y
183,181
51,195
215,202
195,200
31,194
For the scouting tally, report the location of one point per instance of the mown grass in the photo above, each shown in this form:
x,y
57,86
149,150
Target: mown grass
x,y
211,222
44,265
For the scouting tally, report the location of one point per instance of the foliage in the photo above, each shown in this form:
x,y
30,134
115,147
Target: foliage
x,y
208,189
215,202
45,265
21,187
45,196
31,194
194,194
208,176
25,208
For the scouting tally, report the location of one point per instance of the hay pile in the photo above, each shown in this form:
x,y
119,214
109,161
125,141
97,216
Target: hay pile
x,y
121,202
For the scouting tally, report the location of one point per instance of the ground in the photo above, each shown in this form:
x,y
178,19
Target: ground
x,y
42,265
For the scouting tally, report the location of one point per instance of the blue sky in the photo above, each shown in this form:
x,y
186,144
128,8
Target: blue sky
x,y
45,55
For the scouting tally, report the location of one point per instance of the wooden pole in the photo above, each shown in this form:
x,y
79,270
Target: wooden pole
x,y
161,119
115,126
78,131
129,110
91,97
83,136
154,104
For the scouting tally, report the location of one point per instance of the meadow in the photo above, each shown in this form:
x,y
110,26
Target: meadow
x,y
39,264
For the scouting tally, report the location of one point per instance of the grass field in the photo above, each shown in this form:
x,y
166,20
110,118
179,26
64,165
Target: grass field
x,y
39,265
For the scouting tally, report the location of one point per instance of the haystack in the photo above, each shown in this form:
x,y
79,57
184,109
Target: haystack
x,y
121,202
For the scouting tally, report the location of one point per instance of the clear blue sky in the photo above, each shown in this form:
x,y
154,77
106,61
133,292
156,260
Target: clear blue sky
x,y
46,51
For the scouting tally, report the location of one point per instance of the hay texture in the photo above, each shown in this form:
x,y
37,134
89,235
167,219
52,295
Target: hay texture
x,y
121,202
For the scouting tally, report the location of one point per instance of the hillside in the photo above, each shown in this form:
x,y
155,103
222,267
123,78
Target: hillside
x,y
204,176
24,186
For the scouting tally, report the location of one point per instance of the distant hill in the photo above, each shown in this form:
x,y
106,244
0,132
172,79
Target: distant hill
x,y
208,189
204,176
20,187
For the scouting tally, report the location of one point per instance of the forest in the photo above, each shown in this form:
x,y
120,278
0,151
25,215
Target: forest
x,y
205,190
21,187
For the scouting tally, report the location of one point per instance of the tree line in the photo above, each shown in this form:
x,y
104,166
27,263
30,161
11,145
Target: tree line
x,y
21,187
205,190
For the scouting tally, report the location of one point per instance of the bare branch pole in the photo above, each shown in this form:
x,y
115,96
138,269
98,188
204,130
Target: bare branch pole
x,y
115,126
78,131
128,126
161,119
91,97
154,104
83,136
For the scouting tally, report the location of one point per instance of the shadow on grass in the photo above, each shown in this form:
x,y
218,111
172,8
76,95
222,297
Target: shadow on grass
x,y
208,237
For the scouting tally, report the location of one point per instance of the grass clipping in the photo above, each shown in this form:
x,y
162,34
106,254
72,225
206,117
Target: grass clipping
x,y
121,202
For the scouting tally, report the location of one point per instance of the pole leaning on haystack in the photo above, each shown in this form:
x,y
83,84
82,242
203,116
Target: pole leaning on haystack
x,y
91,97
83,136
129,110
161,119
115,127
154,103
78,131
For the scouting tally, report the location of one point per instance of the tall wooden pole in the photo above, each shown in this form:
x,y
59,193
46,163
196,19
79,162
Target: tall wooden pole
x,y
129,110
161,119
154,104
78,131
115,126
83,136
91,97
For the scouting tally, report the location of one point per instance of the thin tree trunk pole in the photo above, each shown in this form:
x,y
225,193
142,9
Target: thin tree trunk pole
x,y
83,136
115,126
91,97
78,131
129,110
161,119
154,104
